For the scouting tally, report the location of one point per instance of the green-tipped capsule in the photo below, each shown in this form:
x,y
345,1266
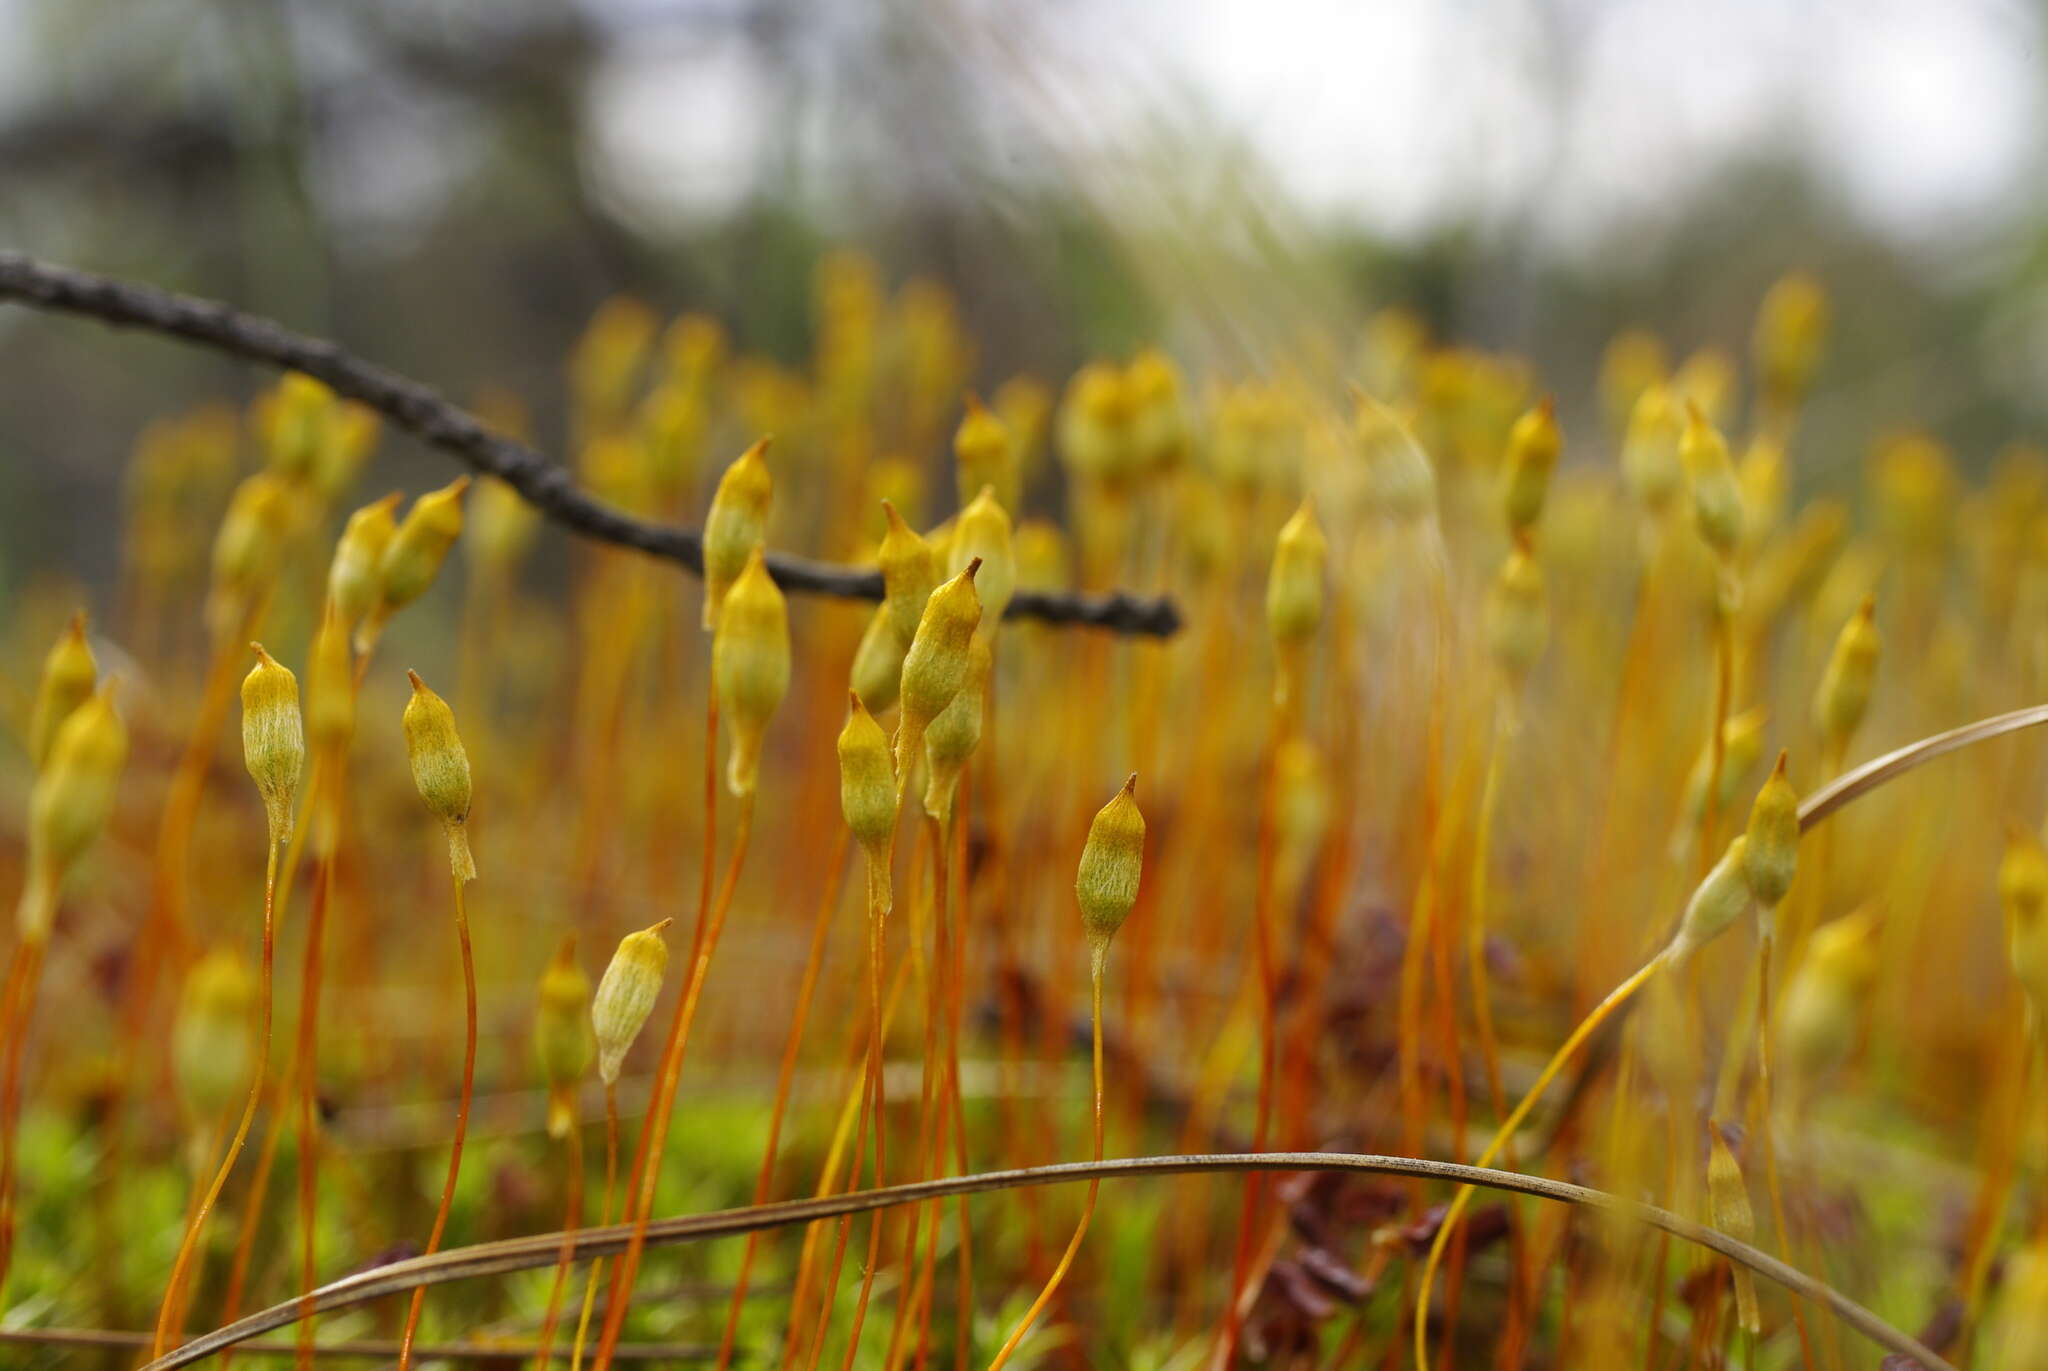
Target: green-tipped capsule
x,y
440,769
70,804
625,996
213,1040
1534,444
1844,694
273,739
2023,894
1771,856
953,736
1112,862
1728,1198
354,578
750,667
735,526
562,1039
1517,615
867,780
422,543
936,665
1719,900
910,572
982,534
1716,495
69,675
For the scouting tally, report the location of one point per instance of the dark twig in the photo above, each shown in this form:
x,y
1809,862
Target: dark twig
x,y
366,1349
517,1254
419,410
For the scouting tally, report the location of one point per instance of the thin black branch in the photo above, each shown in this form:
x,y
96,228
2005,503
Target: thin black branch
x,y
518,1254
424,413
365,1349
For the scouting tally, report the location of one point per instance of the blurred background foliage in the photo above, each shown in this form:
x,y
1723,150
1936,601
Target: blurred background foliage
x,y
451,187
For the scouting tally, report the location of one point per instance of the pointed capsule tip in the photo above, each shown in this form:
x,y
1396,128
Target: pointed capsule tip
x,y
264,657
1547,406
657,929
457,486
1778,771
80,622
974,405
972,567
417,684
1131,785
1868,609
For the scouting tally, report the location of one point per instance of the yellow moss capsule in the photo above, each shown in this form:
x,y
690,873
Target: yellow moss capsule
x,y
956,732
1844,694
1760,480
1819,1014
1043,561
2023,1310
72,800
1742,741
1716,497
330,684
1721,898
440,770
213,1040
1634,361
750,667
936,665
69,675
416,551
878,661
248,548
350,438
1915,485
354,578
625,996
2023,894
1771,856
1095,425
736,525
1159,425
1791,328
1112,862
502,527
1534,444
672,423
562,1038
293,418
1294,586
1728,1198
985,456
1517,614
867,780
1650,464
982,533
608,359
1707,379
273,739
1025,404
910,572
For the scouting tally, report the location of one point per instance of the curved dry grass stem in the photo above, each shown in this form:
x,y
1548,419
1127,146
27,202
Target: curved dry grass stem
x,y
541,1249
544,483
1879,770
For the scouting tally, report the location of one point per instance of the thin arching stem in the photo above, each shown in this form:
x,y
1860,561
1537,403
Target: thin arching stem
x,y
523,1254
166,1315
412,1315
1059,1272
1766,1125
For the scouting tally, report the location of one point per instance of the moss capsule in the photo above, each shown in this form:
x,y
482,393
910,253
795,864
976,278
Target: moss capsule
x,y
1771,856
273,739
750,666
735,526
625,996
440,770
562,1036
69,675
69,807
1112,863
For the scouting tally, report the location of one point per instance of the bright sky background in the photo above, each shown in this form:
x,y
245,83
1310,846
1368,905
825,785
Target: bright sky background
x,y
1927,118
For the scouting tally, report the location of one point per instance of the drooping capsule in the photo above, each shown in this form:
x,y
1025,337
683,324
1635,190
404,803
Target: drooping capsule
x,y
422,542
625,996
